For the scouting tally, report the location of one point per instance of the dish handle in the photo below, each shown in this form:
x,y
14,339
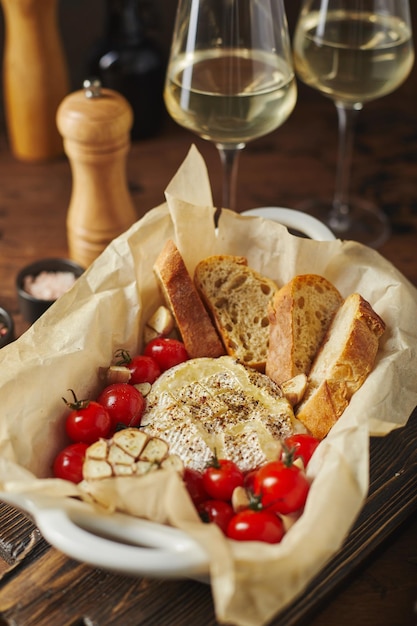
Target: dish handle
x,y
294,220
115,541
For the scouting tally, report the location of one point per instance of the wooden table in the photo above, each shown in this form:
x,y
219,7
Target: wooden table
x,y
296,162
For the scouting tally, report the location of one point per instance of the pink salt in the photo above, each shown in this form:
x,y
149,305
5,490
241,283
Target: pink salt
x,y
48,285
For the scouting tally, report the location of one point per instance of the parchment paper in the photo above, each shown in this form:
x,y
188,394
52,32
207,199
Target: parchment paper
x,y
107,309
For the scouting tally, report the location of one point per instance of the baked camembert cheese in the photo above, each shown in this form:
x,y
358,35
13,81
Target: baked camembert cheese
x,y
218,406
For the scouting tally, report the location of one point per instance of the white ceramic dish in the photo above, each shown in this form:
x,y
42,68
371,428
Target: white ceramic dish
x,y
122,543
115,542
295,220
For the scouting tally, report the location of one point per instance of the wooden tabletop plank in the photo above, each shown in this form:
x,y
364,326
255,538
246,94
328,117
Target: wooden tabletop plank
x,y
18,537
391,501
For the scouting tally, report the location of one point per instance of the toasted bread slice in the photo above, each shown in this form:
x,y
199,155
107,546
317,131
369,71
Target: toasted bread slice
x,y
193,322
299,316
237,297
342,364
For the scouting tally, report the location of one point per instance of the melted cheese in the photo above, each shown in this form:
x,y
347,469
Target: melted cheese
x,y
208,405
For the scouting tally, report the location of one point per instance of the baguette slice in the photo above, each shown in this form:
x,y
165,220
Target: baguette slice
x,y
299,316
237,298
342,364
193,322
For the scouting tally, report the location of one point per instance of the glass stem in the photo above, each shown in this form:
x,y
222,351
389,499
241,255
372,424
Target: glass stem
x,y
340,215
229,156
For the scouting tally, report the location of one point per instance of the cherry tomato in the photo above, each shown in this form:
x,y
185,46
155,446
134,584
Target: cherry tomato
x,y
249,481
251,525
194,483
143,369
166,352
221,477
300,445
68,463
216,512
124,403
87,421
282,488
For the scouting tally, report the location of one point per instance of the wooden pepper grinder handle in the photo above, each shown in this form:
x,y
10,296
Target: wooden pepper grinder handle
x,y
95,124
35,78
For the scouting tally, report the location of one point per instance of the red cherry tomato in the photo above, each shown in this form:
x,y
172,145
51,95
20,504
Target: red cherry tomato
x,y
216,512
249,482
124,403
143,369
194,483
166,352
251,525
300,445
87,422
282,488
221,477
68,463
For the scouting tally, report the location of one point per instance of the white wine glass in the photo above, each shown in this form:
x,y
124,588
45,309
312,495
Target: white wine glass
x,y
352,51
230,75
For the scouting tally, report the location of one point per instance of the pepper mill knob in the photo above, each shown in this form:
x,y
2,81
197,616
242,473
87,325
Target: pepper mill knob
x,y
92,88
95,125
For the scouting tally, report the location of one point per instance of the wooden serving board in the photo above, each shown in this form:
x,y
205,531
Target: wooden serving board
x,y
18,537
392,498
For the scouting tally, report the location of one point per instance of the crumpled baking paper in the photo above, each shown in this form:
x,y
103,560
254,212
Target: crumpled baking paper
x,y
107,309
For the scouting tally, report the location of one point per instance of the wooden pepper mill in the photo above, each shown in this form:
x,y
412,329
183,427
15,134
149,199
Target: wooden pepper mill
x,y
95,124
35,78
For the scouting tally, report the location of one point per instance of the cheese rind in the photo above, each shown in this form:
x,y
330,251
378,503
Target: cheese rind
x,y
217,406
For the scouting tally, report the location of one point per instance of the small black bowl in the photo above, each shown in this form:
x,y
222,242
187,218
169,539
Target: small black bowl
x,y
6,328
30,306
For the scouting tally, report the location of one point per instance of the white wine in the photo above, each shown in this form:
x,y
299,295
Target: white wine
x,y
353,57
230,97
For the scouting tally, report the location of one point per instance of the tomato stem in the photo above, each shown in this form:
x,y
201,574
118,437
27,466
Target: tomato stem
x,y
76,404
123,357
214,461
288,455
255,502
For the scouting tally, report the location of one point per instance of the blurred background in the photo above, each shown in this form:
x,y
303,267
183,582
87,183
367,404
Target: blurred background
x,y
83,26
387,127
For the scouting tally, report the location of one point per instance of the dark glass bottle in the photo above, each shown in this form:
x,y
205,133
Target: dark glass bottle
x,y
130,62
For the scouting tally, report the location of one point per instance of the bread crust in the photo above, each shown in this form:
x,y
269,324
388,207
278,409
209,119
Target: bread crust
x,y
342,364
193,322
299,315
